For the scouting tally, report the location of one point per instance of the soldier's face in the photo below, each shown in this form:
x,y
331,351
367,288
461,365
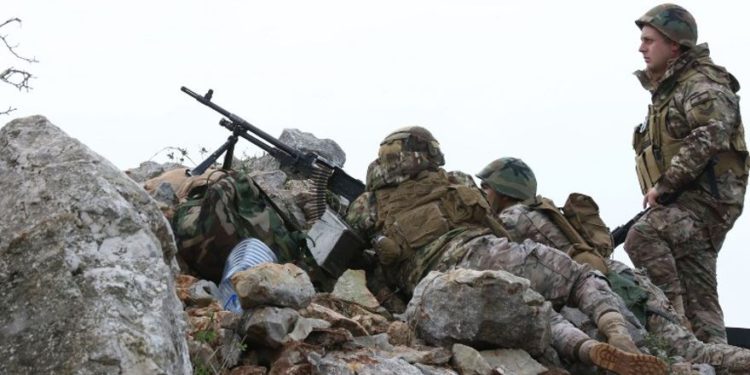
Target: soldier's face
x,y
657,50
492,197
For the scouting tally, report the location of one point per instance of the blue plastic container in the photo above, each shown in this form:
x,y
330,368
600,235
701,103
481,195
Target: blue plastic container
x,y
249,253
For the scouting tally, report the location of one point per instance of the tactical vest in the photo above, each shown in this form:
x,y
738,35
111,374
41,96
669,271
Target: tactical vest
x,y
419,211
655,146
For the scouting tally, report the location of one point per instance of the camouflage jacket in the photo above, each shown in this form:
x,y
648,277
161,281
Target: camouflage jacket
x,y
699,108
522,223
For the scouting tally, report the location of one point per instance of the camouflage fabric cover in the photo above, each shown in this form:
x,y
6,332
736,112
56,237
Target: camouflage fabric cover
x,y
218,215
678,243
511,177
674,21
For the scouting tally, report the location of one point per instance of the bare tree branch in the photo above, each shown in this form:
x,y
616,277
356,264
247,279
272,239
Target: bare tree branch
x,y
18,78
9,110
11,20
12,49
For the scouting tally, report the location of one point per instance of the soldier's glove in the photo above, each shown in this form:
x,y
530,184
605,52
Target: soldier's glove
x,y
388,250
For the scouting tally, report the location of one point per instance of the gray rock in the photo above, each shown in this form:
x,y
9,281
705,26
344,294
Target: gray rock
x,y
86,263
513,361
264,163
230,349
432,370
271,284
304,326
379,341
352,286
425,355
202,293
307,142
365,361
269,181
165,194
150,169
482,309
336,319
468,361
269,326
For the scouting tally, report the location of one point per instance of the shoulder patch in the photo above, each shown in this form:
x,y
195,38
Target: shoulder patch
x,y
700,98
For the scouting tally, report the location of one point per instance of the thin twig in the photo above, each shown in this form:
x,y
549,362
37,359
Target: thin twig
x,y
12,49
18,78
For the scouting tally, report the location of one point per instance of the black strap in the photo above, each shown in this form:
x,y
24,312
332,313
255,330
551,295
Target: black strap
x,y
711,174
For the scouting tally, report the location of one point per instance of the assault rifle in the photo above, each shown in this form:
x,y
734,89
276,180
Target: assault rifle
x,y
322,172
619,233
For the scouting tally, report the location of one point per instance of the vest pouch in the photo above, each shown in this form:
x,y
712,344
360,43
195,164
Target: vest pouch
x,y
463,204
648,168
418,227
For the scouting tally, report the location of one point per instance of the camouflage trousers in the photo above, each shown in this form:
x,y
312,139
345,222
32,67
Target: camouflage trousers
x,y
662,323
552,273
679,250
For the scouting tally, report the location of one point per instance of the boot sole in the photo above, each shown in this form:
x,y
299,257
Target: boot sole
x,y
623,363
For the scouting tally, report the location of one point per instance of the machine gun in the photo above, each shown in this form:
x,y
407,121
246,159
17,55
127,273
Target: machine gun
x,y
330,240
322,172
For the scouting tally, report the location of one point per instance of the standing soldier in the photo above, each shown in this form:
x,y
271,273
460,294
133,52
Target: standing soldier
x,y
419,219
510,187
691,161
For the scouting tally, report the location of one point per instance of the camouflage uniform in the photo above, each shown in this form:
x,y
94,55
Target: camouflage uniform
x,y
522,222
468,243
660,317
691,145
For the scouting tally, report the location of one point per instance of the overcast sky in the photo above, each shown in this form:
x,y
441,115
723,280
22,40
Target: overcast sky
x,y
547,81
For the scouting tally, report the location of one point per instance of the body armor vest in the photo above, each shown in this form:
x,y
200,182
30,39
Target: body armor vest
x,y
421,210
655,146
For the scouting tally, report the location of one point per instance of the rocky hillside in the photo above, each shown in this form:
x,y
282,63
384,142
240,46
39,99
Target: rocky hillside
x,y
92,285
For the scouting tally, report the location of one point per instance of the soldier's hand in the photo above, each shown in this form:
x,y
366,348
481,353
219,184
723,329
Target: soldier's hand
x,y
650,198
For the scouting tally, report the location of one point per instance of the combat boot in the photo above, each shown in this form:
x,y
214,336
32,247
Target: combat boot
x,y
612,325
620,362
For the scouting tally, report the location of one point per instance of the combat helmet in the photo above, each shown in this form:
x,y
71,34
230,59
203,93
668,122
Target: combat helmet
x,y
674,21
412,139
511,177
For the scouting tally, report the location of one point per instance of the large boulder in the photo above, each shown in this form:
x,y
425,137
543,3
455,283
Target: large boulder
x,y
307,142
482,309
86,263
